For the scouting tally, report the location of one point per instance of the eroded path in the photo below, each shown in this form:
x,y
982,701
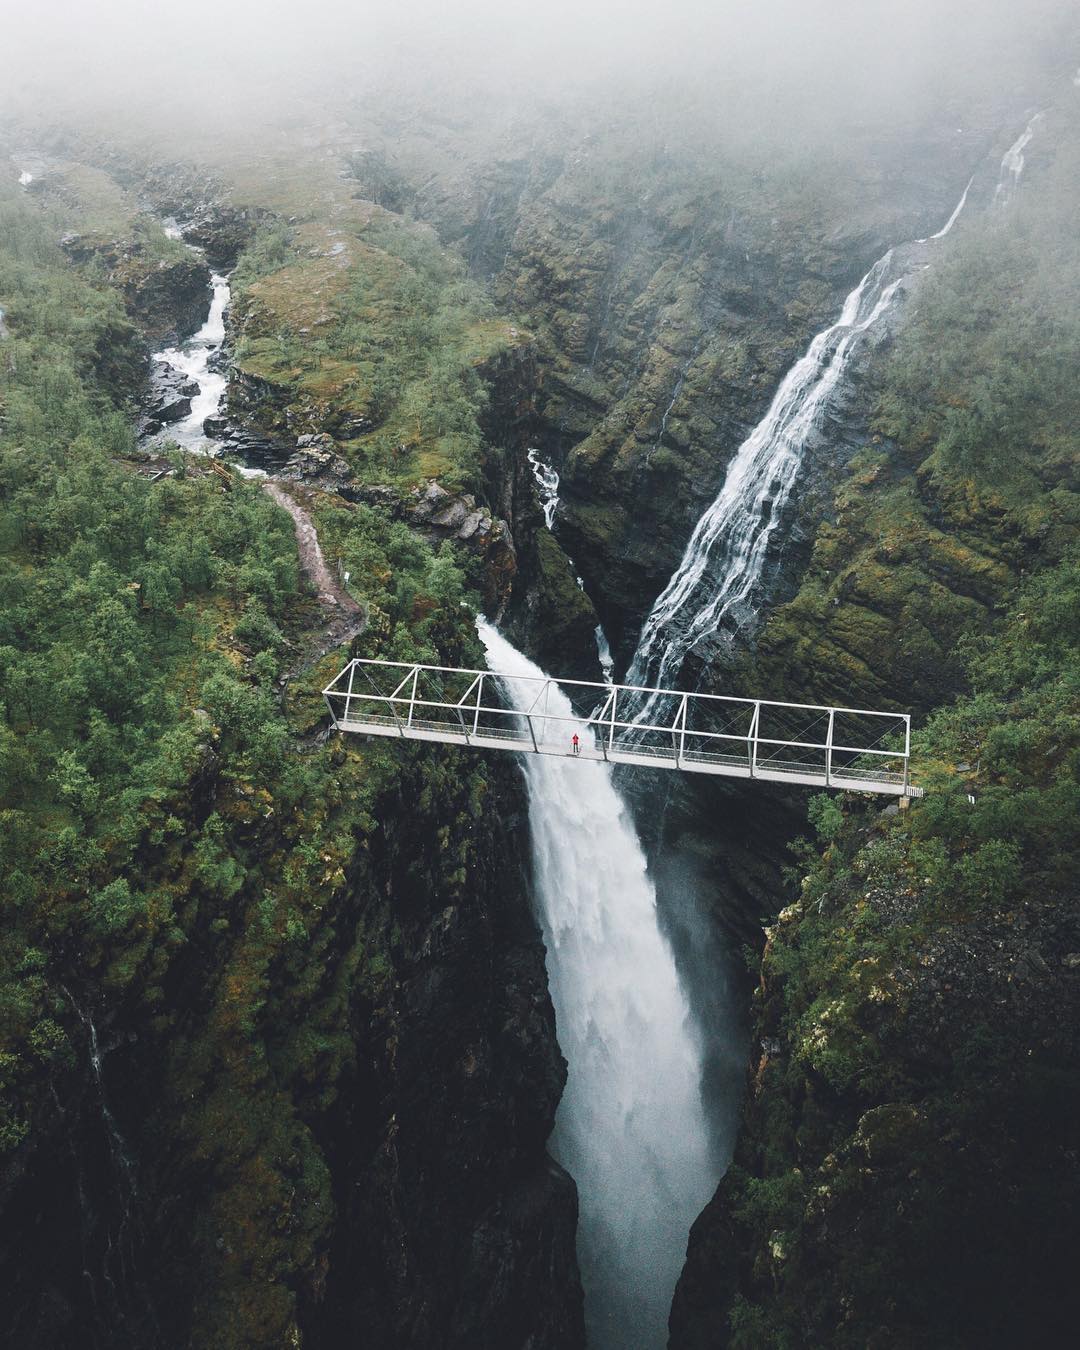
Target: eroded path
x,y
346,616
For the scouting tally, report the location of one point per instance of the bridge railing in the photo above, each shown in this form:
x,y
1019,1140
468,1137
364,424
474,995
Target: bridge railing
x,y
758,738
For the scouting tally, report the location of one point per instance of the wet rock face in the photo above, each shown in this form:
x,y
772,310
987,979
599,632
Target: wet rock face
x,y
667,302
222,231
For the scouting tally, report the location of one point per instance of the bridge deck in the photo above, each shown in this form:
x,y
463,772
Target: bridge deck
x,y
724,736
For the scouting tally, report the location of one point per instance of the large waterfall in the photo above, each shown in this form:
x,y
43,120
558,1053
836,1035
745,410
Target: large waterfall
x,y
631,1128
724,557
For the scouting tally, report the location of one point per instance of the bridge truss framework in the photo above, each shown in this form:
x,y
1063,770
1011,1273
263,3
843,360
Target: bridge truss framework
x,y
848,749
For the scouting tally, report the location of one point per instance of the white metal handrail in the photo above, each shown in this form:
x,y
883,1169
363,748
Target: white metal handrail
x,y
410,708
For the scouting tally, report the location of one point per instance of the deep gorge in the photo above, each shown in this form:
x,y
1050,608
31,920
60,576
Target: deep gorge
x,y
281,1062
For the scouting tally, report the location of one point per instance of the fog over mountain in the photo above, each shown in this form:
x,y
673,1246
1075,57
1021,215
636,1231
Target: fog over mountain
x,y
771,67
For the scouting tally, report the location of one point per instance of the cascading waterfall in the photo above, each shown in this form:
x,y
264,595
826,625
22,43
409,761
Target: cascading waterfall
x,y
724,557
195,360
631,1128
547,485
198,359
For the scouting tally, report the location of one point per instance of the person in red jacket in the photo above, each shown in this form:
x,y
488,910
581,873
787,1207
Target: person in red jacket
x,y
575,743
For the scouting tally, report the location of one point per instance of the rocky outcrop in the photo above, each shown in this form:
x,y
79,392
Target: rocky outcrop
x,y
316,463
167,297
169,398
219,228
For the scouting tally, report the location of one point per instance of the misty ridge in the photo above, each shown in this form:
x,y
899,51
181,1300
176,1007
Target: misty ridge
x,y
795,76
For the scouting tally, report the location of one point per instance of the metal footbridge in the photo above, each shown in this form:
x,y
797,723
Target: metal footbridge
x,y
849,749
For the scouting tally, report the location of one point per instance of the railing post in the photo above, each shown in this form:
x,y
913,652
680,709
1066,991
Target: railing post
x,y
682,734
597,718
479,700
907,752
828,748
611,729
412,696
349,693
752,737
532,733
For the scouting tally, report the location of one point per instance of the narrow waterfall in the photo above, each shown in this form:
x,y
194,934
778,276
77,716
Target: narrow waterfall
x,y
1012,163
724,557
631,1128
947,227
547,487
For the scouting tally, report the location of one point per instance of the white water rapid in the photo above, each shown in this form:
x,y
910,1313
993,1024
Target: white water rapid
x,y
547,486
724,557
631,1128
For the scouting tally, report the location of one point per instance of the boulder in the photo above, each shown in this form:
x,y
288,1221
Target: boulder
x,y
316,461
170,394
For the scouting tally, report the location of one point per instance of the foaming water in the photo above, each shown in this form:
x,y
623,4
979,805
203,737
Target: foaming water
x,y
547,485
632,1127
197,359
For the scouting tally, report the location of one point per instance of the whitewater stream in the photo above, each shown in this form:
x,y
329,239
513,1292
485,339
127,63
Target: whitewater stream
x,y
631,1128
199,359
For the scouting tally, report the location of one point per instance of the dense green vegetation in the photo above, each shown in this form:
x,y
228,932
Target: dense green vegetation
x,y
908,1176
167,824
